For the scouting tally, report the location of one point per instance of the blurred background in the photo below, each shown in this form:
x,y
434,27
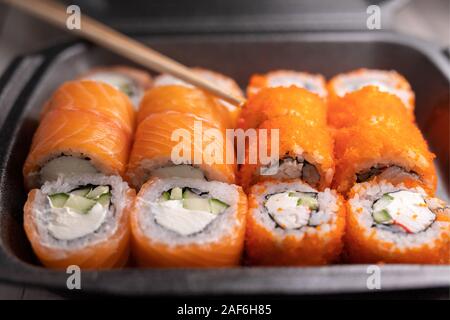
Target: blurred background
x,y
429,20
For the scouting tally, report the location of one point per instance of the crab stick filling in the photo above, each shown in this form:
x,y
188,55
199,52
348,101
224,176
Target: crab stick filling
x,y
402,211
292,209
293,168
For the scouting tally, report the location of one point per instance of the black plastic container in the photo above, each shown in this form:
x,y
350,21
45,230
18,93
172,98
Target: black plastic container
x,y
31,79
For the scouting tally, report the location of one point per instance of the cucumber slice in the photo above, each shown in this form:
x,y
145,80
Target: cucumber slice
x,y
79,204
309,202
217,206
165,196
58,200
382,203
176,194
104,199
387,196
199,204
97,192
188,194
81,192
307,199
382,217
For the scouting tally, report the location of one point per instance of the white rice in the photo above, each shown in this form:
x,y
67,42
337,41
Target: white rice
x,y
223,225
42,213
368,192
326,216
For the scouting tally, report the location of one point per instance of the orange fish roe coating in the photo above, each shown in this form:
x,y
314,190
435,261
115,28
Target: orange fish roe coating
x,y
275,102
296,138
313,247
282,78
364,245
393,142
366,105
395,79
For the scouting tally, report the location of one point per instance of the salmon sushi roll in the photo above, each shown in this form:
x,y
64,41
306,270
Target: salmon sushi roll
x,y
293,224
81,221
386,81
132,82
394,150
170,144
366,105
183,100
276,102
225,83
396,224
305,152
182,223
96,98
69,142
314,83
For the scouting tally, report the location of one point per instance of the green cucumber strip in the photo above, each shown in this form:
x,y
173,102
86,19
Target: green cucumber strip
x,y
309,202
126,88
199,204
97,192
188,194
81,192
104,199
165,196
176,194
79,204
217,206
382,217
58,200
387,196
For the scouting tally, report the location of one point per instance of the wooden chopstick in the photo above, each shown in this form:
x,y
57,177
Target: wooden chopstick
x,y
119,43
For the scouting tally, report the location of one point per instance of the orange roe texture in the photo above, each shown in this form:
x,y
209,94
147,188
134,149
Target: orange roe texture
x,y
264,247
393,142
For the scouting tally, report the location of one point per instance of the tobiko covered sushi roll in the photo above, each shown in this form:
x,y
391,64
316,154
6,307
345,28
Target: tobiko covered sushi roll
x,y
314,83
291,223
386,81
396,224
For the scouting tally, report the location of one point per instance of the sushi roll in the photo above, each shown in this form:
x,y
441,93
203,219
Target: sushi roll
x,y
86,127
394,150
131,81
305,152
275,102
367,105
220,80
314,83
396,224
293,224
95,98
386,81
184,100
188,223
156,152
81,221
